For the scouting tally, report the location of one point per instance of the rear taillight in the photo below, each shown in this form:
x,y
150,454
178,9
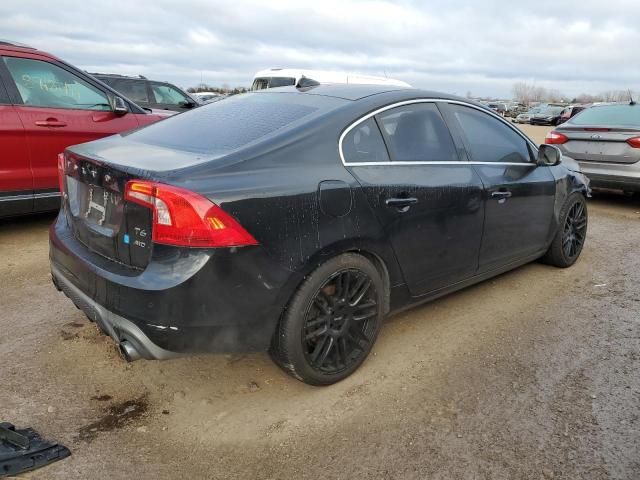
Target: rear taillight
x,y
555,138
186,219
61,172
634,142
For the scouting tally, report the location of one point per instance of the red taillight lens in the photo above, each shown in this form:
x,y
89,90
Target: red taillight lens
x,y
61,172
634,142
555,138
186,219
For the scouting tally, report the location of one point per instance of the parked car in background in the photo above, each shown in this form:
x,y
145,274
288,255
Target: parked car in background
x,y
526,117
548,116
283,77
329,208
207,97
497,107
149,93
605,140
569,112
45,106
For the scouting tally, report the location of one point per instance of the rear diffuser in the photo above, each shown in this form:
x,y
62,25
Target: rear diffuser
x,y
22,450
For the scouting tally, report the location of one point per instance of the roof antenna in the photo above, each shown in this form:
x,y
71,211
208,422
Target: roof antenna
x,y
631,101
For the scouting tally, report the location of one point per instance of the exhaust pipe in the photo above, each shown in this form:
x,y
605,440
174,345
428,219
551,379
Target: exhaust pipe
x,y
128,351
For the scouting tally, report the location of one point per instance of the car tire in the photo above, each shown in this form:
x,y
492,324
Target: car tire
x,y
571,235
331,322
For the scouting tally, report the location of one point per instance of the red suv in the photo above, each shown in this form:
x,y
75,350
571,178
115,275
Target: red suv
x,y
47,105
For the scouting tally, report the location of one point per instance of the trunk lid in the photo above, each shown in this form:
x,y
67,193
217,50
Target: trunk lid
x,y
601,144
100,219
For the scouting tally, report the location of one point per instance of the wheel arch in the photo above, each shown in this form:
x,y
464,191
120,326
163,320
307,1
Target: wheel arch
x,y
382,259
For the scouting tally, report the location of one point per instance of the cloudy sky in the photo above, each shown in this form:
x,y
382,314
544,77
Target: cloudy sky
x,y
456,46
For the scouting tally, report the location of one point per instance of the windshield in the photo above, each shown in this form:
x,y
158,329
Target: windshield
x,y
262,83
554,110
627,115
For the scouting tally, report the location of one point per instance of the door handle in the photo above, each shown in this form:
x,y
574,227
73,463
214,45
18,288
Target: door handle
x,y
402,204
501,195
50,122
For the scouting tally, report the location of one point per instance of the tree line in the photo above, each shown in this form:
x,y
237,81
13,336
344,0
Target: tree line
x,y
223,90
528,93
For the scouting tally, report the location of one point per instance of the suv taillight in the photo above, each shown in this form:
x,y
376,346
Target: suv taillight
x,y
61,171
187,219
634,142
555,138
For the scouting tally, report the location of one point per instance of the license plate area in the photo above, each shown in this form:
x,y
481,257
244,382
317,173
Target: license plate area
x,y
100,209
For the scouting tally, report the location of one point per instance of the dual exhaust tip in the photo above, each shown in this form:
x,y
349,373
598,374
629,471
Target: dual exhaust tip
x,y
128,352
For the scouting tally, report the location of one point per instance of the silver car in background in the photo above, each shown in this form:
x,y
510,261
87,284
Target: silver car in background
x,y
605,140
526,117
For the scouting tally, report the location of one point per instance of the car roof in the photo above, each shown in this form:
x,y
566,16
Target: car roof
x,y
355,92
6,45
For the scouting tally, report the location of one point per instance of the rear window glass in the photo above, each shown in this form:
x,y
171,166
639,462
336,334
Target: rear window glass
x,y
364,144
417,133
218,128
609,115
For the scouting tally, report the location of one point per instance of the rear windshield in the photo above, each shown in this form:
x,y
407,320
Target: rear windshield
x,y
219,128
627,115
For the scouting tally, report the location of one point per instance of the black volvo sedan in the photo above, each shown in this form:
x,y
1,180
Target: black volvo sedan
x,y
295,220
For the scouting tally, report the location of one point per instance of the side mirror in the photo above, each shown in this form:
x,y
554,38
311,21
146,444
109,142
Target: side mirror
x,y
119,106
548,156
187,104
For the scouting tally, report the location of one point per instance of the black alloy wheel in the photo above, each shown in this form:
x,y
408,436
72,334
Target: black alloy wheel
x,y
337,330
332,321
575,230
572,233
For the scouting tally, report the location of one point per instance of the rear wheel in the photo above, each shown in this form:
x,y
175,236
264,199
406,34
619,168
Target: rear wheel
x,y
332,321
569,240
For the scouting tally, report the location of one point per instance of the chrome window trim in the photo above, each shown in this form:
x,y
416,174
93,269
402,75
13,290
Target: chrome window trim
x,y
429,100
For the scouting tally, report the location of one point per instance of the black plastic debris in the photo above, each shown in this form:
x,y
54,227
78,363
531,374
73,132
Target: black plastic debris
x,y
22,450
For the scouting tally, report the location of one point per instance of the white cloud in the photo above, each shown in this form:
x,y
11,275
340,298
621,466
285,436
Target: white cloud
x,y
453,46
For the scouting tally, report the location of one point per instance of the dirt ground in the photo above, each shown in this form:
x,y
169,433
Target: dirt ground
x,y
534,374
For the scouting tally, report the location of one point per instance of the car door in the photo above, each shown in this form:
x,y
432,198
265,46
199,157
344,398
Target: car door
x,y
16,180
57,108
427,199
518,195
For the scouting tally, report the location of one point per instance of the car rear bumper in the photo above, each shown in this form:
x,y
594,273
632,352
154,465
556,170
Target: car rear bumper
x,y
615,182
117,327
612,175
185,301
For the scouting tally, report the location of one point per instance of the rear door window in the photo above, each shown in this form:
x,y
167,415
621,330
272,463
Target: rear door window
x,y
132,89
43,84
364,143
417,133
487,139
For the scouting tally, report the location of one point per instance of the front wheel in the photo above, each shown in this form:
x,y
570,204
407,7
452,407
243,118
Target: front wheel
x,y
331,322
571,235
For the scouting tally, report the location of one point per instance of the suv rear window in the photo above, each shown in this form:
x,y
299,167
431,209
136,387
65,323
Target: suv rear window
x,y
221,127
627,115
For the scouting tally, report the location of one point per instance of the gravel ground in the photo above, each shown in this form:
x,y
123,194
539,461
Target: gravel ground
x,y
534,374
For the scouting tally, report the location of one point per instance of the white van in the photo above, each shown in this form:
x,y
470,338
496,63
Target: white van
x,y
283,77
